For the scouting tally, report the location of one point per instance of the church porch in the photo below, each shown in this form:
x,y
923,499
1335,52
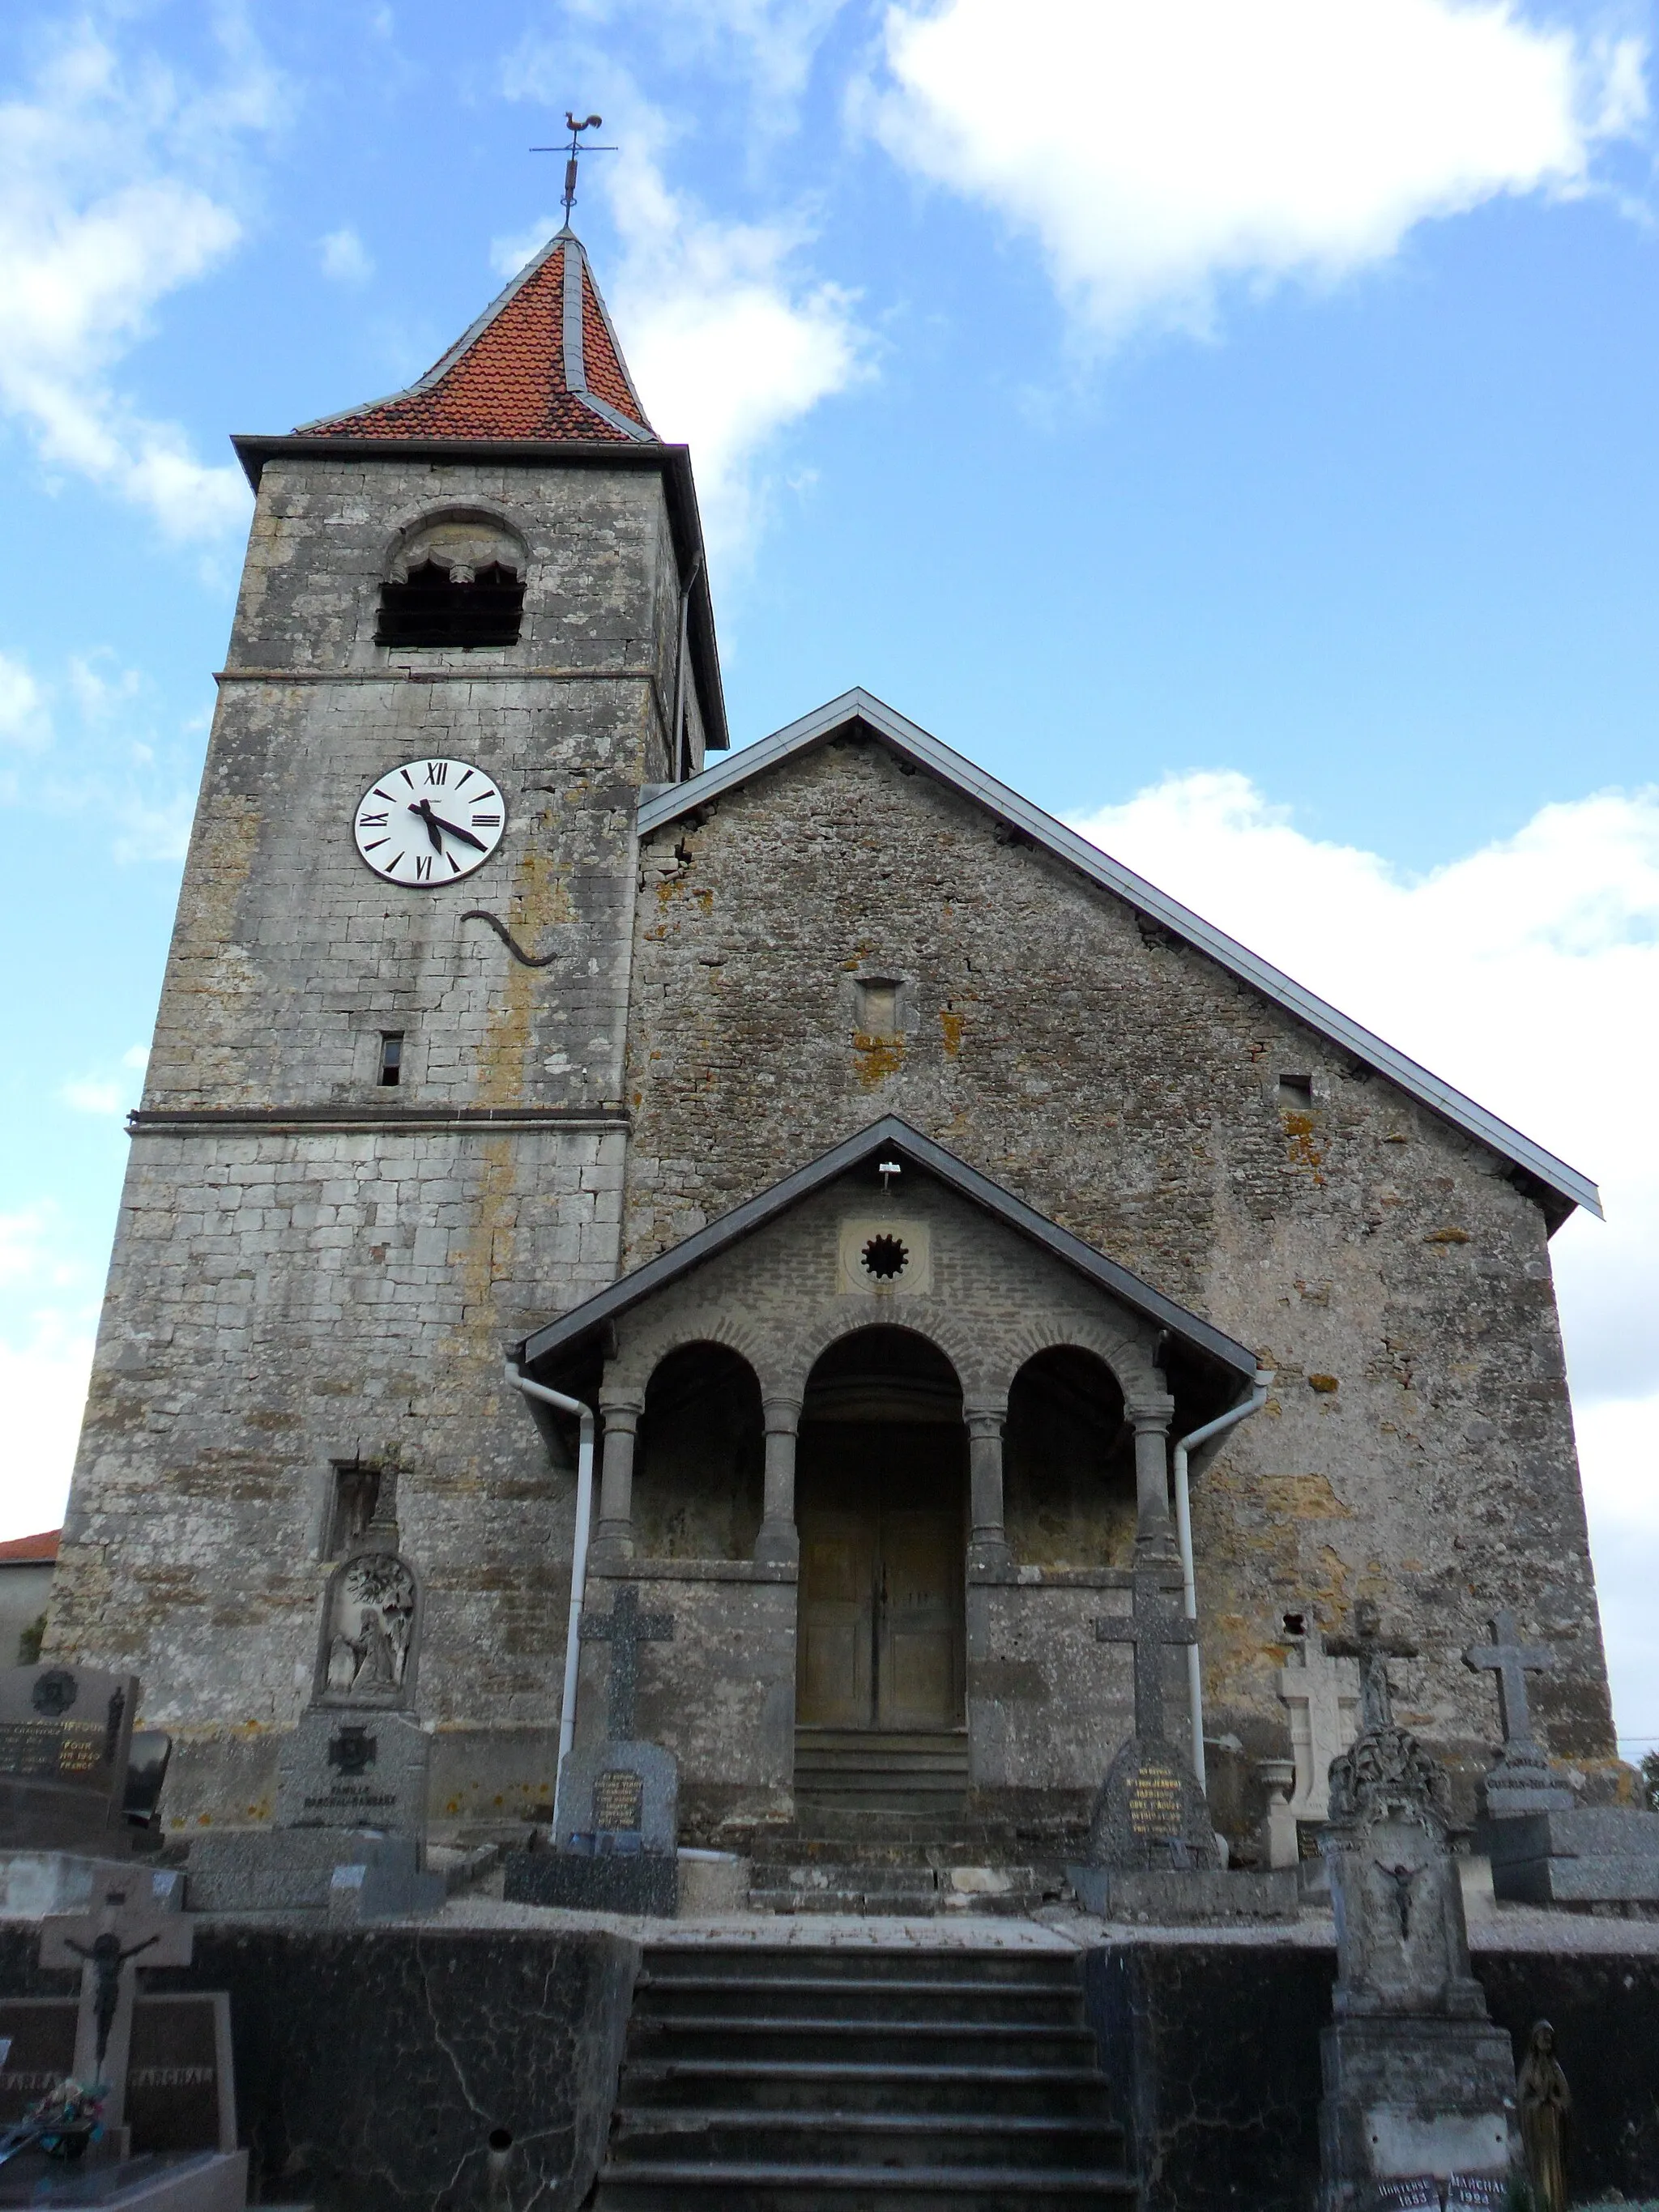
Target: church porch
x,y
885,1453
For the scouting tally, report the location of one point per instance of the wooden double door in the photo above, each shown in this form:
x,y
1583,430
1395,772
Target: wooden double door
x,y
881,1508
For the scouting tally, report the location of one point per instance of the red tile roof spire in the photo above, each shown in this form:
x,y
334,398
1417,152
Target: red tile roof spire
x,y
541,361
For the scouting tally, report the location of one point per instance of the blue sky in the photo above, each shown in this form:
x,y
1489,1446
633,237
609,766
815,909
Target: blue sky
x,y
1232,422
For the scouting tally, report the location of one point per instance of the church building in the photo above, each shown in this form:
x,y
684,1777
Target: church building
x,y
937,1220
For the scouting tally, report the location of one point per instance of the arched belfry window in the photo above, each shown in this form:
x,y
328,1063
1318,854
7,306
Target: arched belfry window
x,y
460,581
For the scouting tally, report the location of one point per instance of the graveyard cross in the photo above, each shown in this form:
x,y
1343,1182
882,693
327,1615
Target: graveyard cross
x,y
107,1942
1367,1645
624,1629
1156,1623
1511,1662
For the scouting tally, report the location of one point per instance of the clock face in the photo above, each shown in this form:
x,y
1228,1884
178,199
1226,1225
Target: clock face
x,y
428,822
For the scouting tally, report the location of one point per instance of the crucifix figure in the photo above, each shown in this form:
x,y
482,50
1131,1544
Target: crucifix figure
x,y
624,1629
1401,1877
1156,1623
1511,1661
121,1925
1368,1645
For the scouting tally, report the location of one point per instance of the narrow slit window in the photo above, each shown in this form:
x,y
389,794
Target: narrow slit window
x,y
392,1059
352,1506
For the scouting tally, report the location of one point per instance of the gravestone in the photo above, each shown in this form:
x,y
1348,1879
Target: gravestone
x,y
1152,1851
159,2067
1322,1697
1545,1848
131,1922
1417,2080
352,1777
616,1812
65,1734
1521,1782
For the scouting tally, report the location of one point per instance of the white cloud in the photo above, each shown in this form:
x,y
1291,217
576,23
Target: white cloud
x,y
91,1095
344,257
728,345
1156,151
23,719
771,43
108,203
1523,973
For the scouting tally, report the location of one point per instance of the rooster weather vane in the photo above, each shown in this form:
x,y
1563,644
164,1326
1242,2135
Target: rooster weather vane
x,y
572,154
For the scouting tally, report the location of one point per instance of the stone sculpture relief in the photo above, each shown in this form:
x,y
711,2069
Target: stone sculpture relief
x,y
371,1628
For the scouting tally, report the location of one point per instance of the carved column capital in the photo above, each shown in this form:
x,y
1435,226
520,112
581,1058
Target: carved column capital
x,y
781,1414
1150,1410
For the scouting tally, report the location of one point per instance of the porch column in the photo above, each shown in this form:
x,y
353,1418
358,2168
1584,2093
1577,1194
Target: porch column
x,y
613,1540
987,1545
1155,1535
778,1540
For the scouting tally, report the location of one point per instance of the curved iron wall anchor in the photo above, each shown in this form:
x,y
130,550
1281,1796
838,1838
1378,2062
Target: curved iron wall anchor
x,y
525,959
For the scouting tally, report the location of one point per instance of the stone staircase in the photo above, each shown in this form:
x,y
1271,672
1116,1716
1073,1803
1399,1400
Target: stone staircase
x,y
863,1770
861,2080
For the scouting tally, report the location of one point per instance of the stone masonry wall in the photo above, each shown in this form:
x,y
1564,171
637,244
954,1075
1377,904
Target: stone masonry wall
x,y
316,1268
1418,1446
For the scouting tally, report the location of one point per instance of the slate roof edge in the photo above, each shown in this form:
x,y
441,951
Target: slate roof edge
x,y
253,449
1568,1184
895,1135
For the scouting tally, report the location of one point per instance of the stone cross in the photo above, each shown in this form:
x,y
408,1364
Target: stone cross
x,y
1511,1662
1323,1726
1368,1646
624,1629
121,1930
1156,1623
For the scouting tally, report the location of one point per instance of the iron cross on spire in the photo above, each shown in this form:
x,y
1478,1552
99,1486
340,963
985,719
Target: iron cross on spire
x,y
572,154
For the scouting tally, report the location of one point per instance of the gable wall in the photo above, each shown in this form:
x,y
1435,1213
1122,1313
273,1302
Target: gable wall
x,y
1127,1087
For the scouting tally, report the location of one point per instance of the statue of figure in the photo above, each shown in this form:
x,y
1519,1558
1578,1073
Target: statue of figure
x,y
377,1671
1545,2104
343,1660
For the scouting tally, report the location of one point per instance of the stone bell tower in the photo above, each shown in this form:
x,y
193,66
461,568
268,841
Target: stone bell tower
x,y
384,1127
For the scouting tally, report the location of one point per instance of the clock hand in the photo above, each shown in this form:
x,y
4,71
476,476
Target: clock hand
x,y
423,808
452,829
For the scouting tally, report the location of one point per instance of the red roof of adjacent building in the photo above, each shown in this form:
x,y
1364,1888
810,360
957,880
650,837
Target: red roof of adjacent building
x,y
541,361
24,1549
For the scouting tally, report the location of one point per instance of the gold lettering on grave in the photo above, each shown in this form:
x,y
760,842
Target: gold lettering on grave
x,y
1155,1803
618,1800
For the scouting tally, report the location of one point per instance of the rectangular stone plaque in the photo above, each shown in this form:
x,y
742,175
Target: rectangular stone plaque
x,y
65,1736
353,1767
1154,1804
180,2096
618,1800
38,2034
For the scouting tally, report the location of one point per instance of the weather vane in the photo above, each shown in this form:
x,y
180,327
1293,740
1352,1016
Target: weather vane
x,y
572,154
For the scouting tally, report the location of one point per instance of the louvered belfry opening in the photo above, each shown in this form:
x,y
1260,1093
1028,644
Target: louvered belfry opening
x,y
436,607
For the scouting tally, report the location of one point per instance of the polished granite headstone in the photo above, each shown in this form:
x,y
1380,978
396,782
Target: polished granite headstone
x,y
617,1823
64,1735
1417,2080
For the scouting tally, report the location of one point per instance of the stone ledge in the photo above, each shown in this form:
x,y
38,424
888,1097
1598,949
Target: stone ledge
x,y
693,1570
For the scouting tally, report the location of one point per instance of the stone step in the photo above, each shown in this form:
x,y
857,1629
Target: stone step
x,y
1053,2003
744,2188
932,1838
902,1890
667,1963
856,2085
872,2039
1028,2141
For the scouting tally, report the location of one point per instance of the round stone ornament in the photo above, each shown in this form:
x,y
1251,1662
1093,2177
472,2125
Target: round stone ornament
x,y
427,823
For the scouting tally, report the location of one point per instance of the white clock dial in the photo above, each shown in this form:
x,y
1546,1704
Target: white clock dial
x,y
428,822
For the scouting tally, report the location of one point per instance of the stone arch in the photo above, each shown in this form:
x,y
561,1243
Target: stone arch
x,y
373,1615
699,1455
638,1356
1068,1462
463,536
1137,1373
919,1316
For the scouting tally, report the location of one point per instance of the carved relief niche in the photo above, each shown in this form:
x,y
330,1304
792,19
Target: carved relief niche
x,y
371,1632
455,580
